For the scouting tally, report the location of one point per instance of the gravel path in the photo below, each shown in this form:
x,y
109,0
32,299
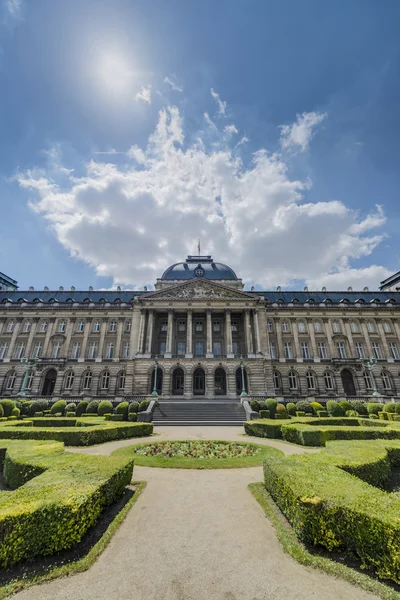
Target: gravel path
x,y
195,535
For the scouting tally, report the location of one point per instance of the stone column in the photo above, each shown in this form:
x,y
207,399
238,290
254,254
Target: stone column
x,y
369,352
82,354
134,335
47,339
168,353
248,334
14,339
279,341
189,334
386,352
209,352
103,331
120,328
59,383
32,334
140,338
314,347
257,332
349,334
297,348
228,335
67,343
149,337
329,337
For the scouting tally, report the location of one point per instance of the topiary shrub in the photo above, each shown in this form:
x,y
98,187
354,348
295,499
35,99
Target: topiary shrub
x,y
304,406
59,407
70,413
271,404
81,408
7,405
374,408
359,406
280,409
316,406
133,407
93,406
38,406
264,414
390,407
24,408
300,413
255,405
105,407
351,413
322,414
132,416
144,405
291,409
397,408
71,407
345,406
15,412
122,409
116,417
1,411
383,416
334,409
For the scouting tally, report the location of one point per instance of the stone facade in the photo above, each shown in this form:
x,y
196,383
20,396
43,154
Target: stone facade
x,y
204,334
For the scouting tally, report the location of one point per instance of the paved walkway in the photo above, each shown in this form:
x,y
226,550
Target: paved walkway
x,y
195,535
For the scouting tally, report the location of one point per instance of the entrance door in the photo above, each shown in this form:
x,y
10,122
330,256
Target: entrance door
x,y
49,382
178,381
220,382
348,382
199,382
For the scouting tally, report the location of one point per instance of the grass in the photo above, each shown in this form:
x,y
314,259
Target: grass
x,y
183,462
84,563
295,549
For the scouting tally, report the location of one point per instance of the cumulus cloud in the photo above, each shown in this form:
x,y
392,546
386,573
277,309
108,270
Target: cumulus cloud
x,y
144,94
131,222
221,103
173,85
299,134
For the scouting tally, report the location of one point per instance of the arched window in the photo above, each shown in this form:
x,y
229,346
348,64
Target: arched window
x,y
386,380
87,380
277,380
293,380
10,380
105,380
311,381
121,381
329,381
69,380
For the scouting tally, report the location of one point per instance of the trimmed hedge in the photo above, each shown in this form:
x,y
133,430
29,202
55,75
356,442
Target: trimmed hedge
x,y
7,406
330,500
58,407
132,416
271,404
57,497
122,409
93,406
334,408
37,406
359,406
264,414
105,407
144,405
133,407
374,408
308,435
304,406
81,408
291,409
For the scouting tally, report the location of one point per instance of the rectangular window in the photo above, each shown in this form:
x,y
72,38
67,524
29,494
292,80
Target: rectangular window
x,y
128,326
75,351
164,325
288,350
394,351
27,327
43,327
217,348
341,350
19,351
272,350
92,352
112,327
235,348
125,350
10,327
3,350
285,326
56,350
377,350
371,327
270,327
37,350
387,328
180,348
317,327
234,326
360,350
354,327
216,326
301,326
109,350
305,352
80,326
163,348
199,349
322,350
336,327
61,326
181,325
199,326
96,326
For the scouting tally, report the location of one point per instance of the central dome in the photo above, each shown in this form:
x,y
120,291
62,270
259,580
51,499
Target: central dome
x,y
201,267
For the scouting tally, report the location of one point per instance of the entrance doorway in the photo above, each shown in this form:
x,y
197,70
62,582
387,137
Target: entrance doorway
x,y
178,382
220,382
49,382
348,382
239,381
199,382
159,381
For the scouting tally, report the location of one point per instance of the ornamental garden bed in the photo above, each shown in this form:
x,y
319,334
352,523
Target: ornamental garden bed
x,y
337,500
184,454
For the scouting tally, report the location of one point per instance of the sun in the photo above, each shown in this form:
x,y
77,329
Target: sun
x,y
115,74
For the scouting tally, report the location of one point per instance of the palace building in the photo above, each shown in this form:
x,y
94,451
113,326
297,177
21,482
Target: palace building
x,y
204,336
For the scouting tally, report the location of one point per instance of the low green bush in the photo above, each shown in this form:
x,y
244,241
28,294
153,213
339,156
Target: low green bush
x,y
304,406
70,414
300,413
351,413
271,405
105,407
359,406
132,416
291,409
316,406
334,408
38,414
374,408
7,406
329,499
398,408
280,409
122,409
1,411
267,429
282,416
383,416
57,497
144,405
37,406
12,417
264,414
255,405
133,407
345,406
116,417
81,408
373,416
58,407
71,407
390,407
396,417
15,412
93,406
318,435
322,413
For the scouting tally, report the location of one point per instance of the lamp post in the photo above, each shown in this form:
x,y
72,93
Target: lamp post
x,y
244,393
28,367
368,364
154,392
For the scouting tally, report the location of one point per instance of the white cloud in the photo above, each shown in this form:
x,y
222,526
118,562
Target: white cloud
x,y
174,86
144,94
210,122
300,133
131,222
14,8
231,129
221,103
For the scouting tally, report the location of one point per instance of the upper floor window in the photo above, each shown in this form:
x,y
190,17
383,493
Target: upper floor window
x,y
387,328
371,326
96,326
305,352
125,350
43,327
62,326
354,327
270,326
164,325
341,350
199,326
27,327
92,351
128,326
112,327
322,350
3,350
394,351
288,350
181,325
56,350
272,350
336,327
37,350
110,350
162,348
75,351
317,326
360,350
285,326
19,351
10,326
301,326
180,348
234,326
80,326
217,348
377,350
216,326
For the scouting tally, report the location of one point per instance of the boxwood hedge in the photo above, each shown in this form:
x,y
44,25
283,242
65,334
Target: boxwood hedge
x,y
330,500
57,496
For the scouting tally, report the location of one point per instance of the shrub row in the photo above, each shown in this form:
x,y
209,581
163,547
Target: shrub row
x,y
329,500
57,496
309,435
334,408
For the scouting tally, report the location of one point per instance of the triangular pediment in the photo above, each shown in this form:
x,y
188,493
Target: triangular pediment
x,y
199,289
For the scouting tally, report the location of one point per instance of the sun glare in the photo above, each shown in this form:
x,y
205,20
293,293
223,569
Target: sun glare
x,y
115,74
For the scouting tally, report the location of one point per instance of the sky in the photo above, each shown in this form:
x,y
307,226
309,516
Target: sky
x,y
268,129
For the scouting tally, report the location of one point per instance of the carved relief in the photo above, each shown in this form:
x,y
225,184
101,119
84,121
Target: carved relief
x,y
199,290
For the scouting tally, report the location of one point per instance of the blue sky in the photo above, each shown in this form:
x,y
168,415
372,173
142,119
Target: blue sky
x,y
269,129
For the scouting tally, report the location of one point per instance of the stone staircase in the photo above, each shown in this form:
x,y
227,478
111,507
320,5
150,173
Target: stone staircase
x,y
194,412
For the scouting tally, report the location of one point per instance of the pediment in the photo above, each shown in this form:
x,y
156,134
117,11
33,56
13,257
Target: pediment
x,y
200,290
